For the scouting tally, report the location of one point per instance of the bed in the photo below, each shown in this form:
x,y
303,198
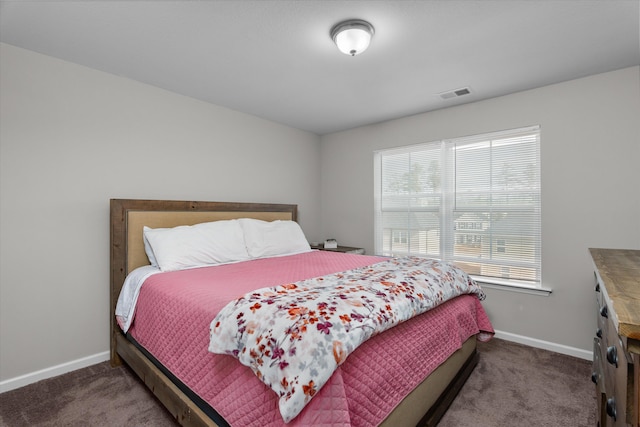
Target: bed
x,y
195,404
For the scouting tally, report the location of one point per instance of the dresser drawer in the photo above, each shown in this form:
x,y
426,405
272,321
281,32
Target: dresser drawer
x,y
610,369
597,376
615,364
616,348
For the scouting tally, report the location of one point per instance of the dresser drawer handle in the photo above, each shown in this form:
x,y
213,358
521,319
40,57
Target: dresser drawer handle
x,y
594,377
597,287
612,355
611,408
599,333
604,312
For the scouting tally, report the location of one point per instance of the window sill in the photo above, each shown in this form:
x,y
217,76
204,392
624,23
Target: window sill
x,y
505,285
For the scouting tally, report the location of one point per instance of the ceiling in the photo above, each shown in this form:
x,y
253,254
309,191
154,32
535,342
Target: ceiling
x,y
275,59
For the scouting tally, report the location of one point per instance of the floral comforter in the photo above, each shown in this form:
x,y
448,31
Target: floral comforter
x,y
294,336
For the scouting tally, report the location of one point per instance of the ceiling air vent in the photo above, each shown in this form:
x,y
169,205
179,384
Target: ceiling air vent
x,y
455,93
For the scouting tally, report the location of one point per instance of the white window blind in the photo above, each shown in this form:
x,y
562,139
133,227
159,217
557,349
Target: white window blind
x,y
474,201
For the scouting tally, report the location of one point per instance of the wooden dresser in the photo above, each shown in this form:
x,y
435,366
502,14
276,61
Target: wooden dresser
x,y
616,349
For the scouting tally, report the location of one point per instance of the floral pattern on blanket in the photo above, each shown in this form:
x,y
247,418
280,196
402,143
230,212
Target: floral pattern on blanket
x,y
295,335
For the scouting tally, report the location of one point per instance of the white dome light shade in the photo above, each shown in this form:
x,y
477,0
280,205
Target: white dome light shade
x,y
352,37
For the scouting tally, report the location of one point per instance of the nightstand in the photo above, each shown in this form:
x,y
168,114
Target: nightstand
x,y
343,249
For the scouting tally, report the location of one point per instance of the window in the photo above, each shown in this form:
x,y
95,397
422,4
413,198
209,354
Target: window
x,y
400,236
473,201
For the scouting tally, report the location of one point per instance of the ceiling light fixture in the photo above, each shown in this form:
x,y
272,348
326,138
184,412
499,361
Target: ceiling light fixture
x,y
352,36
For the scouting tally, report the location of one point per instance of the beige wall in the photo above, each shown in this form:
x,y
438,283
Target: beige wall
x,y
71,139
590,148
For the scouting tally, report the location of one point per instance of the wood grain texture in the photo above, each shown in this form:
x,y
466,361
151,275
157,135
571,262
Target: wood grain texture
x,y
184,410
618,292
619,270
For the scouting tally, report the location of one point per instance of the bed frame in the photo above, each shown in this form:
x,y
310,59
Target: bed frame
x,y
423,406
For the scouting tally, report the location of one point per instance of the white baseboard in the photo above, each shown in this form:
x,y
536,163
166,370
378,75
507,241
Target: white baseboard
x,y
545,345
53,371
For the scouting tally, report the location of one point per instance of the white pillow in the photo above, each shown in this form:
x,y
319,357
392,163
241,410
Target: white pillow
x,y
208,243
275,238
147,248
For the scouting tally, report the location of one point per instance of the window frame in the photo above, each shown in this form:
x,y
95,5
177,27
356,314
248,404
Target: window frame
x,y
472,228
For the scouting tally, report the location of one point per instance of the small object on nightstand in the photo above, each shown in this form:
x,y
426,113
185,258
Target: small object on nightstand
x,y
330,244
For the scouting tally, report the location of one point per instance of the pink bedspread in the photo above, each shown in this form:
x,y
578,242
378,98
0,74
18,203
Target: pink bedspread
x,y
172,322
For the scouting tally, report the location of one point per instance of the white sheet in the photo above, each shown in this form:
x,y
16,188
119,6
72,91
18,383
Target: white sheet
x,y
129,294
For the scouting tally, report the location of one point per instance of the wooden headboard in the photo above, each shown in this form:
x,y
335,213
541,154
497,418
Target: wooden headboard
x,y
129,216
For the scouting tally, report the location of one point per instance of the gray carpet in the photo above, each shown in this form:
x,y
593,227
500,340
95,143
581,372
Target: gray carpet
x,y
513,385
517,385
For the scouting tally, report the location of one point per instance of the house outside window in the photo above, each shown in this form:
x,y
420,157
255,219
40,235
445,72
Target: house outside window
x,y
400,237
473,201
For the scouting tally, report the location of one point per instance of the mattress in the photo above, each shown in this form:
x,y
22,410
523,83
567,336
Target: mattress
x,y
173,314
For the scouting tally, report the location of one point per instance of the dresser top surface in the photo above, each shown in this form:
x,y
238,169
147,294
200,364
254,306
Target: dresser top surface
x,y
619,270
